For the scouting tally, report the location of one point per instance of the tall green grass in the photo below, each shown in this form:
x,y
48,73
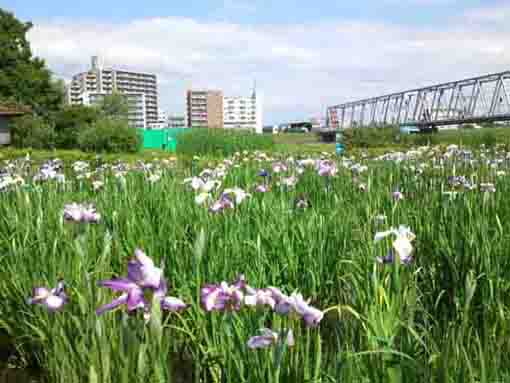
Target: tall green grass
x,y
220,142
445,318
389,137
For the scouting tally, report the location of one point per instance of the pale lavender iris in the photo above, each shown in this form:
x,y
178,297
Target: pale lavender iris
x,y
279,167
52,300
327,168
143,280
295,304
269,338
397,195
259,298
262,189
81,213
224,203
236,194
222,297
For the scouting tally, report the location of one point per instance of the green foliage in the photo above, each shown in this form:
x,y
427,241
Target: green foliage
x,y
114,106
70,121
24,79
443,318
109,135
220,142
32,132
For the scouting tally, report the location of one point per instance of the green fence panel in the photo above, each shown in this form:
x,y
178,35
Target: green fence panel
x,y
165,139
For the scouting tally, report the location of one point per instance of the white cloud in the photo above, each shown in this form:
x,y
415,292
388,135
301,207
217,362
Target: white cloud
x,y
300,68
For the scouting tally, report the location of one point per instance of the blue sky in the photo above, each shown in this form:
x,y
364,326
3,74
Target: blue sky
x,y
249,11
304,54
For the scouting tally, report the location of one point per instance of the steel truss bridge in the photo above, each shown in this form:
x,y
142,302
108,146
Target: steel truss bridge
x,y
473,100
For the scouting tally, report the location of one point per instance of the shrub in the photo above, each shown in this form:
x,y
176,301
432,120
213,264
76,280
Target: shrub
x,y
221,142
109,135
372,136
32,132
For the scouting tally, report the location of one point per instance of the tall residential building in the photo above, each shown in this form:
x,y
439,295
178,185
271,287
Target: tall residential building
x,y
204,108
99,80
243,112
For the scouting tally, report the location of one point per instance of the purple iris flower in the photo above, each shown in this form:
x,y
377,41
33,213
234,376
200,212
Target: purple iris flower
x,y
327,168
390,258
143,277
279,167
295,304
269,338
397,195
264,173
81,213
53,300
262,188
259,298
223,203
222,297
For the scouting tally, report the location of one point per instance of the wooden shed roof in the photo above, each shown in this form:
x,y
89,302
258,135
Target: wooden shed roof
x,y
12,110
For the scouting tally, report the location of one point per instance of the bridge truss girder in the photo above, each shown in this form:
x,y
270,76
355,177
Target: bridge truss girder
x,y
483,98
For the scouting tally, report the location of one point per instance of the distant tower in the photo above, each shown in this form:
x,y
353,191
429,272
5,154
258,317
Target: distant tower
x,y
254,91
96,63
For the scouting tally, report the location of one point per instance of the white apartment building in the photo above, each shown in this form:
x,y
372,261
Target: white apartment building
x,y
161,122
99,80
136,105
243,112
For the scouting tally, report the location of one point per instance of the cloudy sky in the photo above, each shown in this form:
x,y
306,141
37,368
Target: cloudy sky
x,y
304,55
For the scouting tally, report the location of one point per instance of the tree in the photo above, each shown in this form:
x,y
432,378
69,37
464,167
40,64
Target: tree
x,y
70,121
24,79
32,132
114,106
109,135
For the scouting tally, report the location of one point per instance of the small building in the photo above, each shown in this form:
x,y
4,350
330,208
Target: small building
x,y
176,121
7,113
272,129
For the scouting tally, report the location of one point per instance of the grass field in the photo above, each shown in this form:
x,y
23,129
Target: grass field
x,y
437,310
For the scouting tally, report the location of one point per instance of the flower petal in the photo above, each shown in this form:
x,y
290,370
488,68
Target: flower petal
x,y
54,302
113,304
172,304
135,299
118,284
